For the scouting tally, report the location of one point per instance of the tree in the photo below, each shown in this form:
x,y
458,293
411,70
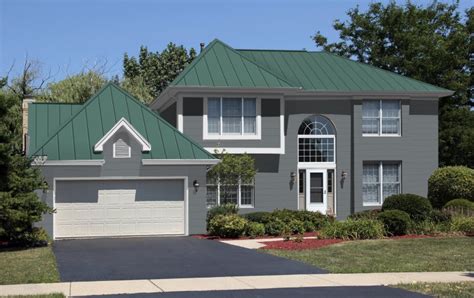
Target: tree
x,y
232,170
156,70
432,44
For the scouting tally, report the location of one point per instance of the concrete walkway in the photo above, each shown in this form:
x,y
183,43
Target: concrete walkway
x,y
256,243
232,283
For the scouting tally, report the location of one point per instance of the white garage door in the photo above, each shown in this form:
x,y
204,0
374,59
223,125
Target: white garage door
x,y
95,208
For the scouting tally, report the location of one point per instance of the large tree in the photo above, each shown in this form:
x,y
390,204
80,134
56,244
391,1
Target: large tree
x,y
157,69
433,44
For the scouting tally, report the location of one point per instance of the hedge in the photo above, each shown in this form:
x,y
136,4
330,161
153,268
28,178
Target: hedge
x,y
449,183
418,207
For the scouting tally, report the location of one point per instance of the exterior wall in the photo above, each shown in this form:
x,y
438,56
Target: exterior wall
x,y
132,167
193,110
416,149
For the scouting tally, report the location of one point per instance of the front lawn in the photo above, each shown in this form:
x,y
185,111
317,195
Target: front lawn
x,y
33,265
451,290
400,255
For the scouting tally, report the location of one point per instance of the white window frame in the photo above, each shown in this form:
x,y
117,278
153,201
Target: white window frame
x,y
129,150
233,136
380,134
380,166
239,195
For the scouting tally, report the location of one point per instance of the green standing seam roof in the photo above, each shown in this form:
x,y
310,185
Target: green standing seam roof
x,y
76,137
45,118
219,65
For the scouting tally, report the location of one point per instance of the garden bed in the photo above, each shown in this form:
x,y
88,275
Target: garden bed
x,y
209,237
305,244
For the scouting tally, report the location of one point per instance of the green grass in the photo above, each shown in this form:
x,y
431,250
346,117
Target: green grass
x,y
402,255
33,265
455,289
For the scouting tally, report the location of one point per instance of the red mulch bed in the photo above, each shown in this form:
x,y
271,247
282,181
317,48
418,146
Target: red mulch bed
x,y
306,244
204,236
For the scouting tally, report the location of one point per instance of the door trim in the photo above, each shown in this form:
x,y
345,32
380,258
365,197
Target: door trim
x,y
308,203
185,185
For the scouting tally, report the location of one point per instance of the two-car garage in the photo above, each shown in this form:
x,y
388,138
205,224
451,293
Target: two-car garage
x,y
119,207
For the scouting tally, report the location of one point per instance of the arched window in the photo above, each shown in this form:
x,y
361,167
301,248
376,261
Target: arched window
x,y
316,140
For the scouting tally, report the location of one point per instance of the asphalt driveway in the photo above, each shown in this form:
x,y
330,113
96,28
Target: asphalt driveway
x,y
165,257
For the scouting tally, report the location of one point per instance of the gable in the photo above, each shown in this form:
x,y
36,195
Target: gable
x,y
76,138
124,125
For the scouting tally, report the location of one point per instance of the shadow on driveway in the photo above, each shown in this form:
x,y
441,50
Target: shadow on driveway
x,y
165,257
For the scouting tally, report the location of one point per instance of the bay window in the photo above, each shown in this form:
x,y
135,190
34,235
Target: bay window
x,y
381,118
379,181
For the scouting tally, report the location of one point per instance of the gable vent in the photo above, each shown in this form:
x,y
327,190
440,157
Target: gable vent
x,y
121,149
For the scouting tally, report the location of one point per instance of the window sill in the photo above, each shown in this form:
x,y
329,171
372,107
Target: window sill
x,y
375,136
372,204
246,207
231,137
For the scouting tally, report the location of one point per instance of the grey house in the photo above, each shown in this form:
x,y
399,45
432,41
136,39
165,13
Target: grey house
x,y
327,134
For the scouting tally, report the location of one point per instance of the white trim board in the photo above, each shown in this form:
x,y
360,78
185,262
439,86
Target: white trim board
x,y
235,150
99,146
150,162
78,162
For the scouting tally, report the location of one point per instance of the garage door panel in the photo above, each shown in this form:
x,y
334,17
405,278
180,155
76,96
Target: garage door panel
x,y
117,212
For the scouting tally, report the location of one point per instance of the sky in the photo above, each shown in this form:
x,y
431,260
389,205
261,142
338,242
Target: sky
x,y
66,36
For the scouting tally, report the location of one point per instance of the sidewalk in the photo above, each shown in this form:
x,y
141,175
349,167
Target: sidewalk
x,y
232,283
256,243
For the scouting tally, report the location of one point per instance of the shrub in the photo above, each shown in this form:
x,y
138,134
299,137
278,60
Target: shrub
x,y
396,222
440,216
418,207
463,224
227,226
275,227
318,219
260,217
449,183
309,226
354,229
366,214
296,226
459,207
224,209
254,229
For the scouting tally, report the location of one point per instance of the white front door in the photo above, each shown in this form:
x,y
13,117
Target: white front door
x,y
316,190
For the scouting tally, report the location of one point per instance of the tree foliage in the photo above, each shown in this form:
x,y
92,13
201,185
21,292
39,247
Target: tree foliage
x,y
432,44
232,170
156,70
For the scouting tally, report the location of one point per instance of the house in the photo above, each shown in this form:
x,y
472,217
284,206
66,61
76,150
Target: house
x,y
327,134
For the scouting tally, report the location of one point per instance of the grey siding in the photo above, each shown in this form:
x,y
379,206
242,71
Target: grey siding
x,y
270,111
416,149
169,114
133,167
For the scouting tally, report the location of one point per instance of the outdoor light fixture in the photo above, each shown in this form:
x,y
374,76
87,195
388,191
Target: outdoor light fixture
x,y
196,185
343,174
293,177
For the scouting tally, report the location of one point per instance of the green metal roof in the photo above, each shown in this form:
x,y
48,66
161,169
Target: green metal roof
x,y
219,65
44,119
76,137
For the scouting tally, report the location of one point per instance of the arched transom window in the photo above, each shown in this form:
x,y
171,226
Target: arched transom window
x,y
316,140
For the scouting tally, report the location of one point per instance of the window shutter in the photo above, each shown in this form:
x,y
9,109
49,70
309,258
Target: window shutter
x,y
121,149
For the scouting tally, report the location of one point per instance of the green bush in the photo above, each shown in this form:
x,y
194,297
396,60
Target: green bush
x,y
418,207
260,217
440,216
254,229
227,226
354,229
275,227
450,183
296,226
318,219
460,204
224,209
309,226
463,224
396,222
366,214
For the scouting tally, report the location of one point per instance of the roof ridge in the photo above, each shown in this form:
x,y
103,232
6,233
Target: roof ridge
x,y
57,103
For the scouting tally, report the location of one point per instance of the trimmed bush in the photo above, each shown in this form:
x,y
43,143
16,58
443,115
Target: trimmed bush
x,y
260,217
296,226
366,214
440,216
463,224
227,226
224,209
309,226
318,219
396,222
254,229
418,207
275,227
449,183
354,229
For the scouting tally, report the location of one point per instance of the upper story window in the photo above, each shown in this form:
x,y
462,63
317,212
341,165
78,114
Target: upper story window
x,y
381,118
232,118
316,140
121,149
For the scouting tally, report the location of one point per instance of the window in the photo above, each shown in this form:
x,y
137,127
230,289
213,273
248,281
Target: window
x,y
379,180
316,140
241,195
121,149
381,118
231,116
